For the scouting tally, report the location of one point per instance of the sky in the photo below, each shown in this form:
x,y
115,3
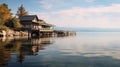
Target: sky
x,y
72,13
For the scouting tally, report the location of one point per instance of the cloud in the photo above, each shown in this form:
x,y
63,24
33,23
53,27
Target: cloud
x,y
89,1
101,16
47,4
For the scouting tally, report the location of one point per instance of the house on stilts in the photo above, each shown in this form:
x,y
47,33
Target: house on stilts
x,y
35,26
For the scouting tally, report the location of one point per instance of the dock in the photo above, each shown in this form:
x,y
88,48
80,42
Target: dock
x,y
52,33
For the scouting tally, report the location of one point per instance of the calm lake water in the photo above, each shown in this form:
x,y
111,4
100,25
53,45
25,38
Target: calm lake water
x,y
86,49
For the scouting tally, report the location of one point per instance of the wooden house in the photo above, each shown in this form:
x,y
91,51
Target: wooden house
x,y
33,24
45,26
29,22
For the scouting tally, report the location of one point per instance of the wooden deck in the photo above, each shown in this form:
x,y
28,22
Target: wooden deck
x,y
50,32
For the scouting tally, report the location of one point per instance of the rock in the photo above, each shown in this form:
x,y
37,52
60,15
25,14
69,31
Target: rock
x,y
2,33
9,33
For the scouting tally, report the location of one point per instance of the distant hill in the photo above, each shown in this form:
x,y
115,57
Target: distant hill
x,y
89,29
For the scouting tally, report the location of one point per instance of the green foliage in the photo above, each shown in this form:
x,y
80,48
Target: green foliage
x,y
14,23
3,27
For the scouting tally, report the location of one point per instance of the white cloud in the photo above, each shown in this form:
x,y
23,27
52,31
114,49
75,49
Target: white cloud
x,y
103,17
90,1
47,4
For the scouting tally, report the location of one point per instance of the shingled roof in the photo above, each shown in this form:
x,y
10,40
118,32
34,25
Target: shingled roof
x,y
32,17
28,17
42,22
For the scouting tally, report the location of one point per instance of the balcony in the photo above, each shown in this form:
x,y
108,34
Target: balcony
x,y
45,29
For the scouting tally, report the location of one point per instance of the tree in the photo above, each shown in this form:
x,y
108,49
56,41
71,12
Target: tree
x,y
4,13
6,19
21,11
14,23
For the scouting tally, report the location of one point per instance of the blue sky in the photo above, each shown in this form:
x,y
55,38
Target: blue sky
x,y
73,13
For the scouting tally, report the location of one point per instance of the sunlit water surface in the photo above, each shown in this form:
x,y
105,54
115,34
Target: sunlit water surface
x,y
86,49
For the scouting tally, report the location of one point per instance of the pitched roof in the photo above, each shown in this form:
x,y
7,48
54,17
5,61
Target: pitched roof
x,y
42,22
28,17
46,24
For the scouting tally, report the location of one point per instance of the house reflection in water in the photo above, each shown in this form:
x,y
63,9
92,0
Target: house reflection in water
x,y
21,47
33,47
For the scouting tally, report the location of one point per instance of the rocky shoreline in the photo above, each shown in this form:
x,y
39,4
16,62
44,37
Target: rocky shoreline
x,y
13,33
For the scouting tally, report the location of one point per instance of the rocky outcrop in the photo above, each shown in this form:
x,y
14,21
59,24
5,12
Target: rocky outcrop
x,y
12,33
2,33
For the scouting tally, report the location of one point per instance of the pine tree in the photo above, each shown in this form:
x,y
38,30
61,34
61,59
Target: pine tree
x,y
21,11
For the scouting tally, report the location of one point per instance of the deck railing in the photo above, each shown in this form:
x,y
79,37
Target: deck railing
x,y
43,29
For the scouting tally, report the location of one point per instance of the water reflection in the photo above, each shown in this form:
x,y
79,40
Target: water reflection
x,y
83,50
21,47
